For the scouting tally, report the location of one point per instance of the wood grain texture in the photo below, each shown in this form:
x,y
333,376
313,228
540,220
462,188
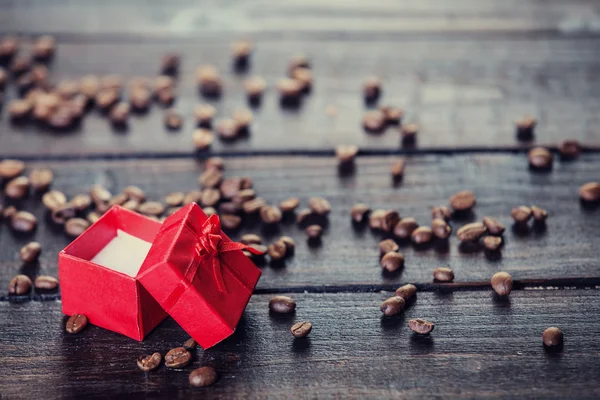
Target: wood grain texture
x,y
567,247
481,347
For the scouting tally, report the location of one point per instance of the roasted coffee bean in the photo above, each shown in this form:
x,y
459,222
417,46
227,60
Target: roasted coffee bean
x,y
440,228
299,61
289,205
409,132
62,214
540,158
131,205
20,65
388,245
203,376
492,243
25,83
422,235
260,248
569,149
170,64
502,283
590,192
277,251
140,99
243,118
392,261
230,187
41,179
9,212
61,119
173,120
190,344
45,282
105,100
30,252
17,188
493,226
314,231
443,274
289,243
23,221
539,214
135,193
389,220
214,162
166,96
100,197
463,201
374,121
148,363
230,222
371,89
270,215
177,358
192,197
346,153
304,216
9,46
204,114
376,218
301,329
151,208
210,197
92,217
44,47
253,206
118,199
209,81
525,127
89,86
406,291
67,89
393,115
359,212
76,323
471,232
290,90
211,211
398,169
228,207
282,304
420,326
227,129
304,76
392,306
521,214
163,82
552,337
76,226
19,110
120,114
10,169
251,238
174,199
255,87
19,285
405,227
210,178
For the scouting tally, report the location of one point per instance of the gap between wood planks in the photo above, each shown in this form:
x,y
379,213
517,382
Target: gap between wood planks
x,y
524,284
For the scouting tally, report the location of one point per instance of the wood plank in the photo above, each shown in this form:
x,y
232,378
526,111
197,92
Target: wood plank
x,y
465,94
480,348
566,248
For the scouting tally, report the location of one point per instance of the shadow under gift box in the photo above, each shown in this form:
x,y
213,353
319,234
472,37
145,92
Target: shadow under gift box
x,y
109,274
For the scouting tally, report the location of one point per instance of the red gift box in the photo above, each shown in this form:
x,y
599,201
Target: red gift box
x,y
126,272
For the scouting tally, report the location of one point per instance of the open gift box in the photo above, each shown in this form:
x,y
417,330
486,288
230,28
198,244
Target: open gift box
x,y
127,272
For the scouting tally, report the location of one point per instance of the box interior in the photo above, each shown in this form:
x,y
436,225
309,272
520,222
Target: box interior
x,y
124,253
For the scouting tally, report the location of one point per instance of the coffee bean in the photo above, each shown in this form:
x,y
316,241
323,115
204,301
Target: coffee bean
x,y
493,226
389,220
151,208
319,205
289,205
246,183
540,158
118,199
23,221
228,207
204,114
163,82
62,214
393,115
230,187
148,363
405,227
106,99
20,65
92,217
231,222
100,197
398,169
525,127
289,243
135,193
463,201
406,291
443,274
243,118
492,243
255,87
270,215
210,178
260,248
471,232
314,231
569,149
521,214
131,205
169,64
76,226
392,306
346,154
30,252
374,121
388,245
192,197
203,376
392,261
45,282
371,89
253,206
178,357
44,47
422,235
251,238
17,188
209,211
282,304
552,337
539,214
62,119
140,99
190,344
301,329
590,192
9,212
76,323
67,89
359,212
41,179
10,169
440,228
289,90
209,81
8,47
119,114
502,283
277,251
304,216
19,285
173,119
113,82
420,326
376,218
18,110
299,61
174,199
89,86
409,132
304,76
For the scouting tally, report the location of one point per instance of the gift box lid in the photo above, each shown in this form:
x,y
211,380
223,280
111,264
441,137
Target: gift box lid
x,y
190,260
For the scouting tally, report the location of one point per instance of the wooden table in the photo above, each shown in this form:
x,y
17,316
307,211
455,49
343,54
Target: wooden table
x,y
464,70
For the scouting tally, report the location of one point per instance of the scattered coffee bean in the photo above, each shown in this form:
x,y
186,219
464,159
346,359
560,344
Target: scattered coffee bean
x,y
19,109
8,47
19,285
190,344
405,227
319,205
443,274
392,306
231,222
170,64
314,231
113,82
140,99
44,47
406,291
67,89
9,212
304,76
251,238
227,129
471,232
260,248
374,121
23,221
289,205
106,99
463,201
119,199
135,193
393,115
178,357
301,329
228,207
10,169
230,187
371,89
20,65
409,132
17,188
45,282
590,192
303,216
270,215
569,149
392,261
420,326
289,243
246,183
204,114
211,211
76,226
30,252
422,235
148,363
62,214
253,206
388,245
203,139
120,114
440,228
100,197
525,127
389,220
540,158
398,169
61,119
41,179
76,323
290,90
277,251
502,283
89,86
282,304
210,197
539,214
359,212
521,214
173,120
346,154
243,118
203,376
492,243
255,87
210,178
209,81
92,217
552,337
494,227
376,218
